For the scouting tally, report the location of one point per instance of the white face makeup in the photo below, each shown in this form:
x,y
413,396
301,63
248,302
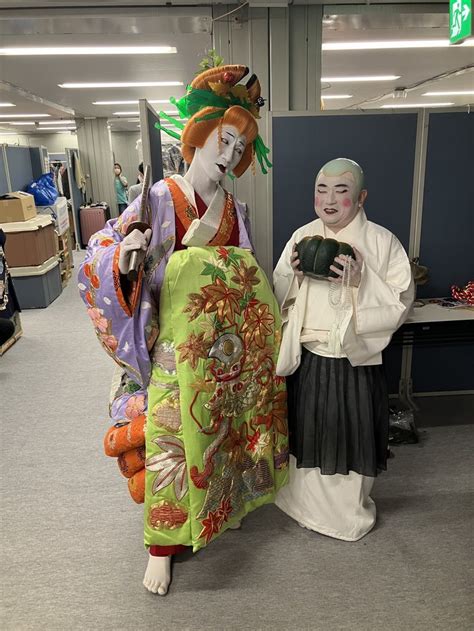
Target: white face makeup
x,y
218,159
336,200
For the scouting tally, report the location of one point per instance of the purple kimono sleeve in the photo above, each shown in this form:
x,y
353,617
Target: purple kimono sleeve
x,y
126,325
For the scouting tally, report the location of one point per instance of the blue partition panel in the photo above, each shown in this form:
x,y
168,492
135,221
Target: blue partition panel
x,y
383,144
19,167
3,175
447,243
443,368
448,210
155,146
37,162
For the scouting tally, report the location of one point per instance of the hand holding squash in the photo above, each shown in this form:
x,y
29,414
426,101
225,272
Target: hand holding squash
x,y
295,264
355,268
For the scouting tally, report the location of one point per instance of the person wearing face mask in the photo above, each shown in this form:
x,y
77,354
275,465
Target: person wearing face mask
x,y
334,333
135,190
121,186
200,415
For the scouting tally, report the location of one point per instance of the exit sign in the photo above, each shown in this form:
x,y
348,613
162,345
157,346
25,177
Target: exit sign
x,y
460,20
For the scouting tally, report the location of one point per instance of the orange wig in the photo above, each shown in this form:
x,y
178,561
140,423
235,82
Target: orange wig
x,y
196,132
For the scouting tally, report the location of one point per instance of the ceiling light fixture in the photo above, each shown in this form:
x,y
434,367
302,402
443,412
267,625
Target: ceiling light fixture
x,y
137,113
128,102
450,93
408,105
56,129
336,96
360,79
58,122
7,105
122,84
394,44
88,50
18,123
25,115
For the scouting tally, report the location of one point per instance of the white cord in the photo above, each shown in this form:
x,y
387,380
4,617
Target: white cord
x,y
339,299
230,12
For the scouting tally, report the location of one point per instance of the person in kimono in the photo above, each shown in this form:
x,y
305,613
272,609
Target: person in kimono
x,y
200,414
334,332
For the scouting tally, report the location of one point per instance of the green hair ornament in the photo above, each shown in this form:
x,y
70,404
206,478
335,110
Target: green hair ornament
x,y
196,100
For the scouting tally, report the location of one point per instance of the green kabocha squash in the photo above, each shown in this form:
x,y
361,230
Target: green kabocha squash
x,y
317,254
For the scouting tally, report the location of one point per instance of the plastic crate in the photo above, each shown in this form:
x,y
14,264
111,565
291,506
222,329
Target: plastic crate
x,y
38,286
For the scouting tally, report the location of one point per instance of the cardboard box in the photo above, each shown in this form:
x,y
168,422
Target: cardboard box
x,y
30,242
17,206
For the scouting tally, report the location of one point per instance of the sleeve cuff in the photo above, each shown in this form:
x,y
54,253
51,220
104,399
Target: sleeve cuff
x,y
129,298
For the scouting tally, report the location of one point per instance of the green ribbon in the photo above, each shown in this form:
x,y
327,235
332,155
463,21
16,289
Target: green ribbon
x,y
196,100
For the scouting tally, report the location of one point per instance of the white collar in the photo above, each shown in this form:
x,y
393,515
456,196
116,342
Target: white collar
x,y
351,230
202,231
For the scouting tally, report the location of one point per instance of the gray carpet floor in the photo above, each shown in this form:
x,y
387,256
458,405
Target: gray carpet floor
x,y
72,553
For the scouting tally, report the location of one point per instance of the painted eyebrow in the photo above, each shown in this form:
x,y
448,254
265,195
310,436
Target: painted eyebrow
x,y
344,185
230,134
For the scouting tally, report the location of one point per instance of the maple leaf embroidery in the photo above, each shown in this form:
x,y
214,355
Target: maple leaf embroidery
x,y
258,325
211,525
279,412
223,299
195,306
215,519
196,348
246,277
225,509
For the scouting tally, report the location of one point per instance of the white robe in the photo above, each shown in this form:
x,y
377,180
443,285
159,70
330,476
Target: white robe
x,y
340,505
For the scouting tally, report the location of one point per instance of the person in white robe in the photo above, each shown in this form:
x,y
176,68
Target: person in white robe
x,y
334,333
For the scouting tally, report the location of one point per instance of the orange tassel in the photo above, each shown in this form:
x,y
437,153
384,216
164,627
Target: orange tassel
x,y
121,439
136,487
131,461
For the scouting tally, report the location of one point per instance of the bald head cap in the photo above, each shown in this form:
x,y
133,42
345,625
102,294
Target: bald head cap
x,y
337,167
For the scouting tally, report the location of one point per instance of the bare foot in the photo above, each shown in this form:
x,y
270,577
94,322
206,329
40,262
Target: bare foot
x,y
158,575
236,526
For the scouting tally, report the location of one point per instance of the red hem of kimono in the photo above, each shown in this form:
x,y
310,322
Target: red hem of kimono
x,y
166,551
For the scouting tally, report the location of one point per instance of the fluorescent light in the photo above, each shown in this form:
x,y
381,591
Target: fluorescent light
x,y
56,129
7,105
127,102
9,133
394,44
336,96
18,123
57,122
137,113
89,50
397,105
25,115
449,93
122,84
357,79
